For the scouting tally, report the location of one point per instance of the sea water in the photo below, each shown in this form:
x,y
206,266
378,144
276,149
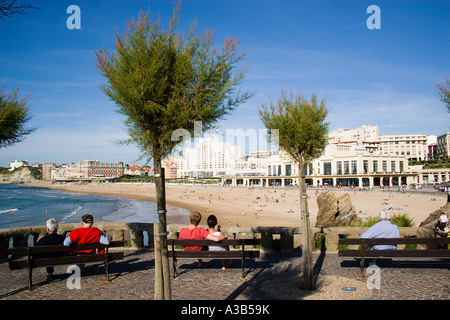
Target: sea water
x,y
23,206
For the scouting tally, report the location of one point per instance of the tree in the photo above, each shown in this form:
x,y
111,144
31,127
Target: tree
x,y
302,133
8,8
444,92
14,114
162,81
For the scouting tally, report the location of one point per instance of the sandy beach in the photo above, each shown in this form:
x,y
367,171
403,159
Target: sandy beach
x,y
245,206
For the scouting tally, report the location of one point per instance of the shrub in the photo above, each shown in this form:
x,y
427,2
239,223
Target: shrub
x,y
402,220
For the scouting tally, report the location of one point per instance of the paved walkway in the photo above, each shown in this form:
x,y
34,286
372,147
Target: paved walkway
x,y
133,279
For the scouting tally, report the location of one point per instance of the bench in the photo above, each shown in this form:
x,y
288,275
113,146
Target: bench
x,y
241,253
35,257
364,250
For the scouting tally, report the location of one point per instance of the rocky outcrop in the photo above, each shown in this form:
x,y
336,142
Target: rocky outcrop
x,y
432,219
335,211
21,175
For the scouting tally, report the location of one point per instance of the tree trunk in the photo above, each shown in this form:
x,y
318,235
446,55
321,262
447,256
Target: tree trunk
x,y
162,271
308,271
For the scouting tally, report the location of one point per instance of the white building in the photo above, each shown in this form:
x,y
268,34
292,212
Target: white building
x,y
209,158
365,133
342,164
413,146
17,164
443,146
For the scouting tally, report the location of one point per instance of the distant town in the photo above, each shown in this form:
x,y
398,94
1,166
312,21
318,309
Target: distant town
x,y
358,157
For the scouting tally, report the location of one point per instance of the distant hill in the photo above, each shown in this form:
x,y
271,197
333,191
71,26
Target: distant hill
x,y
20,175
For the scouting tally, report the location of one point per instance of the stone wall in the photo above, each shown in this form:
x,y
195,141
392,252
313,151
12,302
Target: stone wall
x,y
273,239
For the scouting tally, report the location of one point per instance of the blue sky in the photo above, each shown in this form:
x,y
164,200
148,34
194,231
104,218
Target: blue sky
x,y
383,77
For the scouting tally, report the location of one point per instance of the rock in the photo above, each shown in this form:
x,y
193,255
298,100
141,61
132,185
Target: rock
x,y
328,209
18,176
432,219
335,211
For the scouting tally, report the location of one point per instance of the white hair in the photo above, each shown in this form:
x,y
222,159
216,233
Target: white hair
x,y
384,215
52,225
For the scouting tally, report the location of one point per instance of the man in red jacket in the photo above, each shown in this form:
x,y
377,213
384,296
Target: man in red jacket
x,y
86,234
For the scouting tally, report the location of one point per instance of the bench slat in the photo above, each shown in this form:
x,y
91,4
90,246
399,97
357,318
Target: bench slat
x,y
394,241
395,253
43,262
202,243
213,254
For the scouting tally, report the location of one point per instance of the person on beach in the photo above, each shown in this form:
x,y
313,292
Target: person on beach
x,y
194,232
52,238
212,222
86,234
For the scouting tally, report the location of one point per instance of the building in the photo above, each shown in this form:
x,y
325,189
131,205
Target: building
x,y
96,169
170,167
17,164
413,146
365,133
209,158
342,164
443,146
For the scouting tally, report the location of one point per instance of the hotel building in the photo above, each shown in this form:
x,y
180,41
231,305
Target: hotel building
x,y
342,164
413,146
443,146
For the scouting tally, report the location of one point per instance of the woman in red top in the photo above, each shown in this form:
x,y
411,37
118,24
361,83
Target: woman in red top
x,y
194,232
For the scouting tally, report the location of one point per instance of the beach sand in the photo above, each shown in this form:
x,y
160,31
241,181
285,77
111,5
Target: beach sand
x,y
251,207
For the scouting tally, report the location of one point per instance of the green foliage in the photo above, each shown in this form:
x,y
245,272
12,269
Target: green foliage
x,y
401,220
302,130
162,81
14,114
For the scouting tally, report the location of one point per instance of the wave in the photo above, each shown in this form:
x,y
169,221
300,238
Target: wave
x,y
8,211
74,212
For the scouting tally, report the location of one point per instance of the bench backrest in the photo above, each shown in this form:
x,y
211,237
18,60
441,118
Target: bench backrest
x,y
394,241
204,242
25,251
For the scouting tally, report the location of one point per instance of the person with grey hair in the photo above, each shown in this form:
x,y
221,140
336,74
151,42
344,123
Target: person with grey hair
x,y
383,229
52,238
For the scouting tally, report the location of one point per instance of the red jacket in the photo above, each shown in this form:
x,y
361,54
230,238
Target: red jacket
x,y
85,236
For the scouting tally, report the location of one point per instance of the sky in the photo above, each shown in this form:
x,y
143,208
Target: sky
x,y
382,76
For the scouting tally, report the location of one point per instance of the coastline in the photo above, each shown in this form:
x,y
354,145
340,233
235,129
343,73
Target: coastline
x,y
257,206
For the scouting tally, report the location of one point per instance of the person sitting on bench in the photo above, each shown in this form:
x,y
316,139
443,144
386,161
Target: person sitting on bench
x,y
382,229
86,234
52,238
194,232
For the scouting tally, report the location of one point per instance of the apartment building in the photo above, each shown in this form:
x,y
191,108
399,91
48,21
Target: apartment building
x,y
209,158
442,148
365,133
413,146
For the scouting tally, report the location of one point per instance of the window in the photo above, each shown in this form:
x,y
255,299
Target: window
x,y
346,167
327,168
392,166
366,166
375,166
354,167
339,167
288,170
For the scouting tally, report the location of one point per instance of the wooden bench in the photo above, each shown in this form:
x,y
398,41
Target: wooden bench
x,y
241,253
364,250
35,257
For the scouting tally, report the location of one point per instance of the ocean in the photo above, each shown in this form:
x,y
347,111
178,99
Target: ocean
x,y
23,206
